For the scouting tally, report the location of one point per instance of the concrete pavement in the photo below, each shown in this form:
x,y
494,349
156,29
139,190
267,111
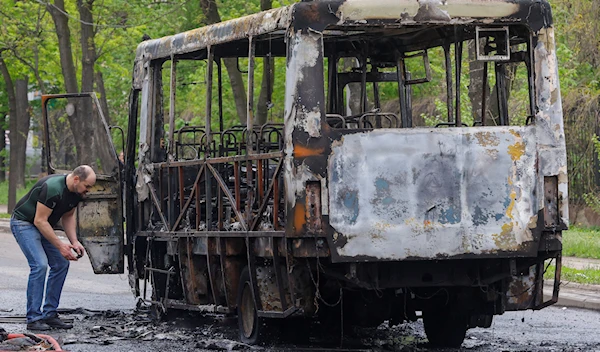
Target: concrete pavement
x,y
572,294
581,263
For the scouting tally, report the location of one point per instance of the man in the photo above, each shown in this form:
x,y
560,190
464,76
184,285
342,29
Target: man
x,y
51,199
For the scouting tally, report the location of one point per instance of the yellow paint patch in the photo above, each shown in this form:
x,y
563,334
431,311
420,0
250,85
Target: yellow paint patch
x,y
487,139
533,222
511,206
515,133
516,151
507,229
505,240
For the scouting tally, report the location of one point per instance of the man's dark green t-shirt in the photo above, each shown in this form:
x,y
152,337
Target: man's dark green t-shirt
x,y
51,191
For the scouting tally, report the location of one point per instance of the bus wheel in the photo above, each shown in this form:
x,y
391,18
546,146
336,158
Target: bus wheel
x,y
248,321
445,328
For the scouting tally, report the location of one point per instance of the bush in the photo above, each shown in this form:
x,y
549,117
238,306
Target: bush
x,y
20,192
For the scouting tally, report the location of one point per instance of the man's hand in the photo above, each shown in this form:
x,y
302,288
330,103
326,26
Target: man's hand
x,y
67,251
78,248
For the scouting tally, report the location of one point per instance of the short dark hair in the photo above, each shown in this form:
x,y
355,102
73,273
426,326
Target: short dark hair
x,y
83,171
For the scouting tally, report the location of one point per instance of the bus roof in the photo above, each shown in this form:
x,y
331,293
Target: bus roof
x,y
317,15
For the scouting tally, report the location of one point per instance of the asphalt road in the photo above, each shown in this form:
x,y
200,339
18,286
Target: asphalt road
x,y
108,321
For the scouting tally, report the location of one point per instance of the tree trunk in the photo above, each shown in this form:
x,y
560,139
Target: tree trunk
x,y
19,128
102,91
266,88
353,90
211,15
476,82
23,121
12,105
78,125
61,23
94,128
2,148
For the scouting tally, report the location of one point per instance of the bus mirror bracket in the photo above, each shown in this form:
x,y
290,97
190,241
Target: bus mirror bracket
x,y
496,46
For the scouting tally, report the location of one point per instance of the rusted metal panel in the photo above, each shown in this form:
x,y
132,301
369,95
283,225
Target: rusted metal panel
x,y
266,281
234,246
304,116
313,207
522,293
263,247
200,246
310,248
430,193
193,273
551,201
228,31
99,218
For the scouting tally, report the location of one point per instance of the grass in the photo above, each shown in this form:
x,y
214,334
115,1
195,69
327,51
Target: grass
x,y
586,276
20,192
582,242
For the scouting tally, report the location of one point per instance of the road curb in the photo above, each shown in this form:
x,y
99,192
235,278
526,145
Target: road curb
x,y
5,225
575,295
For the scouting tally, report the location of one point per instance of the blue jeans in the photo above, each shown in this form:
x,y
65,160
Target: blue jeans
x,y
40,254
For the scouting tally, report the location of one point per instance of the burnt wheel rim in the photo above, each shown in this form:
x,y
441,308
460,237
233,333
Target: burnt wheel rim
x,y
248,316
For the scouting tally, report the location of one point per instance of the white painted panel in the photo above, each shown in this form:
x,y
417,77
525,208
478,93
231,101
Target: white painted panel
x,y
423,193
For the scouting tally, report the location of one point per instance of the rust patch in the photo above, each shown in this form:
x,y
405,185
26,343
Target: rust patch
x,y
313,206
516,151
299,217
520,293
303,152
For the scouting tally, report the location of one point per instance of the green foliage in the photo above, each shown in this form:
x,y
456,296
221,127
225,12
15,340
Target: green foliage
x,y
592,198
20,192
585,276
582,242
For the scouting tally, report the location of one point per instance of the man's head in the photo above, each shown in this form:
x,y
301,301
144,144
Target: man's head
x,y
83,178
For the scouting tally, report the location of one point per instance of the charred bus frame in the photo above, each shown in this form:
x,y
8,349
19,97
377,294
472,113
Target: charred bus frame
x,y
456,220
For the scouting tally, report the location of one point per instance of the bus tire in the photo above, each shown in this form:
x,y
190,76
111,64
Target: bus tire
x,y
249,323
445,328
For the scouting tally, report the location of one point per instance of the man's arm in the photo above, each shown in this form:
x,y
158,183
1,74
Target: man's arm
x,y
68,221
42,213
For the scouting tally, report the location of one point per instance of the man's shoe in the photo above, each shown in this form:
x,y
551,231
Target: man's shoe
x,y
56,323
38,325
